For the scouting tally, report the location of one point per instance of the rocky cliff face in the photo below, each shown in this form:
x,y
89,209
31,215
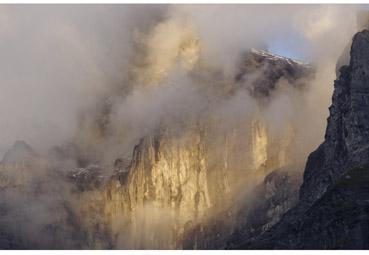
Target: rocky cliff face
x,y
176,181
333,209
191,175
166,177
248,216
346,144
261,71
183,179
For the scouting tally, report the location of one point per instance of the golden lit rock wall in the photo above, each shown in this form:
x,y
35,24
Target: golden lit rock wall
x,y
177,179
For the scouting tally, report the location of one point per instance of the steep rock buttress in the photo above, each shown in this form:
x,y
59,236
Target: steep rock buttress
x,y
333,206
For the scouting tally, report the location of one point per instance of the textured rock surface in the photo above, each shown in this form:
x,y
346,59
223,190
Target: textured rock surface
x,y
332,210
262,71
337,220
346,142
88,178
167,177
176,178
185,175
244,220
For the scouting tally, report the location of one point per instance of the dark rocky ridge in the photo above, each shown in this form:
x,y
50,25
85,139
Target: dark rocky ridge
x,y
332,211
261,71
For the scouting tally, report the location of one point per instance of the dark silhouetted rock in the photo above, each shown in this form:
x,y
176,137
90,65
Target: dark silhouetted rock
x,y
333,208
261,72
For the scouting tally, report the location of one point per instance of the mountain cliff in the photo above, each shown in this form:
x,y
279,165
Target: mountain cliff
x,y
191,175
183,178
269,201
333,207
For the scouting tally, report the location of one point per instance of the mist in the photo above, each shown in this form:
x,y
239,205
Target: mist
x,y
56,62
100,78
59,60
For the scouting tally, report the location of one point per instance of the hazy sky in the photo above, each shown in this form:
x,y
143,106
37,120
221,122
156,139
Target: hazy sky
x,y
56,59
294,45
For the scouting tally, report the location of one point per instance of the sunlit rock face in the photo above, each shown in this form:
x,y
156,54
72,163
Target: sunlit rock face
x,y
167,178
259,144
186,170
178,179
